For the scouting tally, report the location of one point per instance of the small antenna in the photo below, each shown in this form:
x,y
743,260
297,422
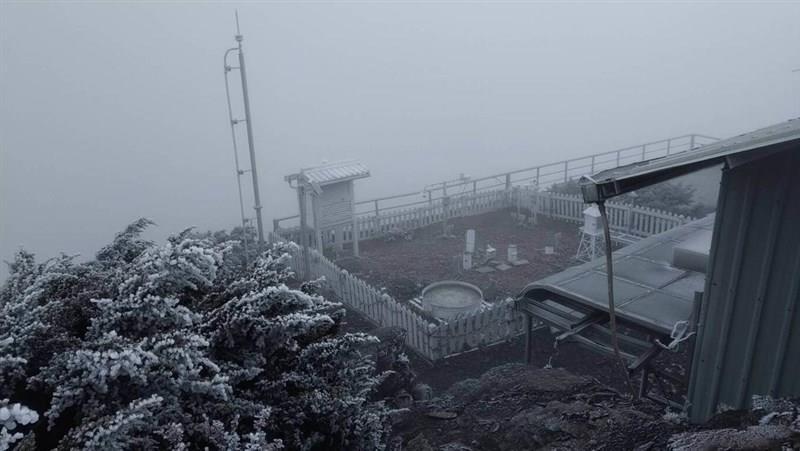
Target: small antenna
x,y
238,33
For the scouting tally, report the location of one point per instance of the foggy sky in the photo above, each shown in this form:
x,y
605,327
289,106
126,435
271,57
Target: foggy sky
x,y
110,112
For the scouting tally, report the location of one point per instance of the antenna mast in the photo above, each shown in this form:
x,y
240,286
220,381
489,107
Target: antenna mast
x,y
250,142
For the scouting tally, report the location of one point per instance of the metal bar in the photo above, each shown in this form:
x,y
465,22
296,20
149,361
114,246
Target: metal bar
x,y
582,325
644,358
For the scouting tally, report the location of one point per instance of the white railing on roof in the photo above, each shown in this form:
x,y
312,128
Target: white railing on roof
x,y
473,196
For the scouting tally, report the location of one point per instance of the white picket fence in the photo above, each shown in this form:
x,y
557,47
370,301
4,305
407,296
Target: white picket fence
x,y
431,340
436,211
623,218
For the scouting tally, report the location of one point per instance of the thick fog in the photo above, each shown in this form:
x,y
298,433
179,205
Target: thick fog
x,y
110,112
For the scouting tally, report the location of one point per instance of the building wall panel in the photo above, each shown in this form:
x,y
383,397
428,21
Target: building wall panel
x,y
750,337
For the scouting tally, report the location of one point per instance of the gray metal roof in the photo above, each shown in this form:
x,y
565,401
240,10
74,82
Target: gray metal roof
x,y
649,290
336,172
761,142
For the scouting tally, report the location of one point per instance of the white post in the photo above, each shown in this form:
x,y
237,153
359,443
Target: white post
x,y
317,229
355,219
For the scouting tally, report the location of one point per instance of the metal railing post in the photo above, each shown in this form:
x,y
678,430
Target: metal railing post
x,y
566,168
592,171
691,142
474,194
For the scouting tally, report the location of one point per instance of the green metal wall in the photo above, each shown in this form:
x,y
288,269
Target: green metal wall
x,y
749,337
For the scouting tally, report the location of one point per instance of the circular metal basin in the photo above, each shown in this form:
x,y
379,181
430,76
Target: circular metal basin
x,y
450,298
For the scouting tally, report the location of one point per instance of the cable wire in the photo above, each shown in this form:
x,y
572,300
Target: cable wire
x,y
611,309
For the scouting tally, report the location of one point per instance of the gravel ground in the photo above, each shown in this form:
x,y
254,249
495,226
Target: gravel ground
x,y
404,267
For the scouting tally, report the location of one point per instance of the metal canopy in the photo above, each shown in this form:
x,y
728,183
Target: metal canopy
x,y
739,149
650,293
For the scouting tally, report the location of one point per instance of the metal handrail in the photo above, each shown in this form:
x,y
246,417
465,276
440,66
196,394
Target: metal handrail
x,y
545,175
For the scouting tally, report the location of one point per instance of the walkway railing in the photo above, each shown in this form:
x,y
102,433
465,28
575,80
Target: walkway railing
x,y
623,218
381,214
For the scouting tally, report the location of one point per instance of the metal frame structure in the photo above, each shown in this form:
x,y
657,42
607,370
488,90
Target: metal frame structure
x,y
250,141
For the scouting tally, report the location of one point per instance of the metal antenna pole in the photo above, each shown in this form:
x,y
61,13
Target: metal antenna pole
x,y
239,172
249,123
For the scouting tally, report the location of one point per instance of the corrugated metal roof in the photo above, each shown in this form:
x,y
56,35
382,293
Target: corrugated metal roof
x,y
613,182
336,172
649,291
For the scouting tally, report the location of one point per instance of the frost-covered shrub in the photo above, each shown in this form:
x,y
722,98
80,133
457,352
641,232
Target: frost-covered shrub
x,y
172,347
14,419
183,265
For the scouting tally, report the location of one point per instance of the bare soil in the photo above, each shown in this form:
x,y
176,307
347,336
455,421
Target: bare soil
x,y
516,407
405,267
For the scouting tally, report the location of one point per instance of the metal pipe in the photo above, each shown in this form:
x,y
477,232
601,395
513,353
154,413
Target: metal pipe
x,y
250,143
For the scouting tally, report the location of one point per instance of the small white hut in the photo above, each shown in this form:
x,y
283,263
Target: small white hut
x,y
331,210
